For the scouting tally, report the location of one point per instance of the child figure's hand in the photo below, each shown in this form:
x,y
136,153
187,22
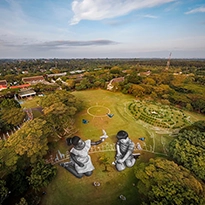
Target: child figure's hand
x,y
120,161
105,136
118,156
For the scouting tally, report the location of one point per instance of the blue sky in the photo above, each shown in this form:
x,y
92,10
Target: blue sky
x,y
102,28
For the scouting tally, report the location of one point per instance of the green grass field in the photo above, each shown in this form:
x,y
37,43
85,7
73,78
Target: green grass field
x,y
66,189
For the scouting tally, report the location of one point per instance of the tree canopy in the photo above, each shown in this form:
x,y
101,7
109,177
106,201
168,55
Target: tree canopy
x,y
59,110
41,175
188,149
163,182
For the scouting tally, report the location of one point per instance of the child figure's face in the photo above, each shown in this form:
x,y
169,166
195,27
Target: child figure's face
x,y
80,145
124,140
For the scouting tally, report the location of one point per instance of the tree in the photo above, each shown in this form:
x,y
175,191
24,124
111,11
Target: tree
x,y
58,116
199,105
115,70
13,116
178,80
136,90
70,83
60,96
17,182
105,161
162,89
9,103
178,98
4,127
22,202
8,159
164,182
134,78
41,175
149,81
31,140
85,84
189,107
188,149
199,125
59,109
3,190
45,88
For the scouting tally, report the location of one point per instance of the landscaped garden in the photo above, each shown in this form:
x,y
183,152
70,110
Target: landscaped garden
x,y
158,115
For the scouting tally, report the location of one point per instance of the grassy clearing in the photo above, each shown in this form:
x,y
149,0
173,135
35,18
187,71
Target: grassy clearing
x,y
66,189
31,102
116,103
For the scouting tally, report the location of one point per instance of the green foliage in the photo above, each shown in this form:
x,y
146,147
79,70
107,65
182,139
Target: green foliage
x,y
59,109
8,159
22,202
115,70
178,98
199,105
17,182
31,140
9,103
3,126
13,116
134,78
136,90
41,175
164,182
105,161
188,149
39,88
199,125
3,190
60,96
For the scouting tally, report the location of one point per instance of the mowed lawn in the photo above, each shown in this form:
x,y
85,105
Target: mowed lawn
x,y
66,189
98,102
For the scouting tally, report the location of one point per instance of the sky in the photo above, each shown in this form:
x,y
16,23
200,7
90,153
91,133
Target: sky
x,y
102,29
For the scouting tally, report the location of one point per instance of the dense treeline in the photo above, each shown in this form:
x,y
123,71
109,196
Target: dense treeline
x,y
179,180
9,66
22,165
162,181
188,149
182,84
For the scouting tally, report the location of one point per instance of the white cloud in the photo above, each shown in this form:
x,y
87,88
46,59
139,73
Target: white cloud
x,y
102,9
197,10
149,16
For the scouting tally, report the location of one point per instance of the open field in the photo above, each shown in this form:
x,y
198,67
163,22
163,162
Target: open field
x,y
66,189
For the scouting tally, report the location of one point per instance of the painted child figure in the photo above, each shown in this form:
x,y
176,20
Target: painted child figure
x,y
81,164
124,148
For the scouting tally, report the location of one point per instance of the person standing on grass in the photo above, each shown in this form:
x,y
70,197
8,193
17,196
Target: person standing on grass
x,y
81,164
124,151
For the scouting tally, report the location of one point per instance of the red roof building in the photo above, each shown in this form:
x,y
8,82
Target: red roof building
x,y
33,80
20,86
3,84
2,87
